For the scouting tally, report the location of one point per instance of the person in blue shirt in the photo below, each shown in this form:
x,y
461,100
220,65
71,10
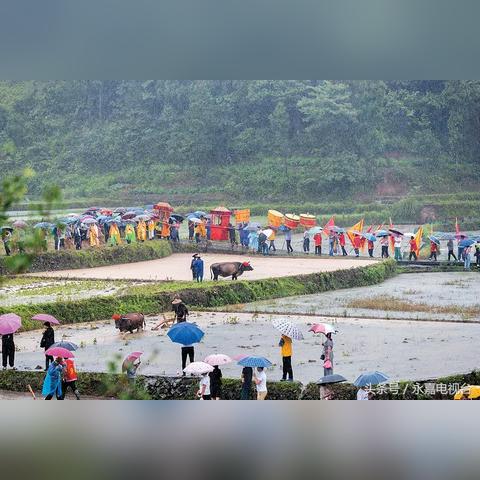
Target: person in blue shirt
x,y
198,269
52,384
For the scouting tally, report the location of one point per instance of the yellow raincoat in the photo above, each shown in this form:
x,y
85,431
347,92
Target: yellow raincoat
x,y
93,236
165,230
130,234
114,235
151,230
142,231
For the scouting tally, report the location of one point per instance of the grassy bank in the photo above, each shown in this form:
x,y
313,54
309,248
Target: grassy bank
x,y
173,388
155,298
95,257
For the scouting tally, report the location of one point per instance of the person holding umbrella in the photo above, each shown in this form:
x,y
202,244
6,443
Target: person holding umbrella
x,y
341,241
357,242
306,243
70,378
8,351
451,253
186,334
317,238
198,269
467,257
246,377
327,356
433,250
413,249
397,244
288,240
286,349
48,339
260,379
129,367
52,384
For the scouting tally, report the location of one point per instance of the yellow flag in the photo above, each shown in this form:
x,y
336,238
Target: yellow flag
x,y
358,227
242,216
418,239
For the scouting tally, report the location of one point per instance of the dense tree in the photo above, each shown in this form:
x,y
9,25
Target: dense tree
x,y
289,137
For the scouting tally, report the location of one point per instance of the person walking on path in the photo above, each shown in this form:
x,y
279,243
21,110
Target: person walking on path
x,y
460,248
253,241
216,383
260,379
247,376
114,235
271,239
398,248
331,243
262,243
191,231
467,257
328,355
413,249
151,229
232,236
48,339
8,351
450,250
180,310
198,269
52,384
370,246
341,241
70,378
306,242
356,245
317,238
384,244
433,251
288,241
204,389
286,346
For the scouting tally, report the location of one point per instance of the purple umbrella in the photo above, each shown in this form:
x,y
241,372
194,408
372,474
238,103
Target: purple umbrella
x,y
9,323
89,221
45,317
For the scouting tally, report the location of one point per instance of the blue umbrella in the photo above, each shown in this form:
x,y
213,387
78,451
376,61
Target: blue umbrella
x,y
382,233
337,229
315,230
370,378
43,225
434,239
466,243
253,226
369,236
255,362
199,214
185,333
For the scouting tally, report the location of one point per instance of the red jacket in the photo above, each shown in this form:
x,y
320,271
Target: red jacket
x,y
357,241
413,246
70,373
341,239
318,239
370,245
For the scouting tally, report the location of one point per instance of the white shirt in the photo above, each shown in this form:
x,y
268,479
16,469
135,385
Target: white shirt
x,y
205,381
262,386
362,394
398,242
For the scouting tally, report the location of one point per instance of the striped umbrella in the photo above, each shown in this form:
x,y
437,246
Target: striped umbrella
x,y
288,329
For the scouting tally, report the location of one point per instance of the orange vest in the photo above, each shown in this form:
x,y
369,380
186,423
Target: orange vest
x,y
70,372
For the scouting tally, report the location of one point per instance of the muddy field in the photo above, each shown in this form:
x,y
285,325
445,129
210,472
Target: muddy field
x,y
401,349
177,267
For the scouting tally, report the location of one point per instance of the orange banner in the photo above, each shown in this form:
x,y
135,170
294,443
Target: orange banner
x,y
357,227
242,216
418,240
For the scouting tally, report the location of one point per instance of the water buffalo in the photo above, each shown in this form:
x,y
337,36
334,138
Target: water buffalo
x,y
227,269
129,322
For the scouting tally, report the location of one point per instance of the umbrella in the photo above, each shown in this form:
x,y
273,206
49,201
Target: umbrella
x,y
198,368
315,230
59,352
72,215
288,329
434,239
106,211
199,214
322,328
370,378
218,359
408,234
19,224
466,243
328,379
267,232
43,225
9,323
355,232
142,217
92,209
370,236
336,229
67,345
395,232
382,233
255,362
129,215
252,226
89,221
45,317
120,210
178,218
133,356
471,391
7,227
185,333
194,220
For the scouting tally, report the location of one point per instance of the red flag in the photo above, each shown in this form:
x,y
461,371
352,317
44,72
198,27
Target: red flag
x,y
329,225
457,227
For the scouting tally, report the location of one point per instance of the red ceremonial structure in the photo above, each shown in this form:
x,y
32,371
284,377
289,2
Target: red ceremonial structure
x,y
163,211
220,218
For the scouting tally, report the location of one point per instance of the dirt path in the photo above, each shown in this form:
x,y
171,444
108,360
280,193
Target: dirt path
x,y
177,267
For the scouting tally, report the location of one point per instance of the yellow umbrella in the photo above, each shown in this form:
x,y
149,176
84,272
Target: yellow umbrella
x,y
472,392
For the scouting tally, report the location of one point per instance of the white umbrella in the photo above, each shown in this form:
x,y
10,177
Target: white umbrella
x,y
288,329
198,368
267,232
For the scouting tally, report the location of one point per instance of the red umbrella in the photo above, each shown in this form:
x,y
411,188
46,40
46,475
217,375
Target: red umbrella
x,y
163,206
322,328
133,356
9,323
59,352
45,317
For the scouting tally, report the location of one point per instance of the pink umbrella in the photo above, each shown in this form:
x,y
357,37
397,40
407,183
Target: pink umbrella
x,y
19,224
239,357
45,317
59,352
322,328
133,356
9,323
218,359
198,368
